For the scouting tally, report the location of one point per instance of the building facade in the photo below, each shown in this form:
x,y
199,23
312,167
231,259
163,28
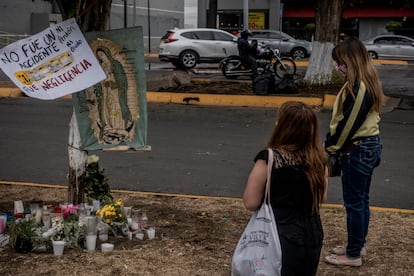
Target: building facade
x,y
155,17
363,20
21,18
25,17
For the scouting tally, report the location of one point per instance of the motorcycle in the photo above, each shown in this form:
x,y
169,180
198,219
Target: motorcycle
x,y
269,59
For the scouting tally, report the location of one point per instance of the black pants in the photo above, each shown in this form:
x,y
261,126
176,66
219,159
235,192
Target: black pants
x,y
299,260
251,63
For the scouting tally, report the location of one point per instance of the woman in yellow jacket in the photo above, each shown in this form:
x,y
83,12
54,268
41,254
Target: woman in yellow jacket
x,y
354,135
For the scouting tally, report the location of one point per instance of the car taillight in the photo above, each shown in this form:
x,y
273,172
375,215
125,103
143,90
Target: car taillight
x,y
170,38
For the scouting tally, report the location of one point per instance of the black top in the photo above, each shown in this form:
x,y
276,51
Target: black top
x,y
291,200
244,47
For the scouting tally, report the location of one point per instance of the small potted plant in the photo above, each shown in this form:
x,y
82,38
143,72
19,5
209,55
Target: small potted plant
x,y
22,235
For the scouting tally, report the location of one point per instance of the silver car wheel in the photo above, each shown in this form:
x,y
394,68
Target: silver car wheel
x,y
372,55
298,54
188,59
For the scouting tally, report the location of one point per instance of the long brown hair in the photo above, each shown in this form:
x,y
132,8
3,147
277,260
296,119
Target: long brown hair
x,y
297,131
359,67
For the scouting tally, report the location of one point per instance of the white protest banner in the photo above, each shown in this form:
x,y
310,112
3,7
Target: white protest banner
x,y
53,63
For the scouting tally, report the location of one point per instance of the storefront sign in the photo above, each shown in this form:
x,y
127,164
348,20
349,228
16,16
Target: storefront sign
x,y
256,20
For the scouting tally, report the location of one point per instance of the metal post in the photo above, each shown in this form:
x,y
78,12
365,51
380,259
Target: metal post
x,y
245,14
125,13
149,28
280,17
135,13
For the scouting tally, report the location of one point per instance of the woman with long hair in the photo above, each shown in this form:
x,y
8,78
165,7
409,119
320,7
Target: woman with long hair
x,y
299,180
354,136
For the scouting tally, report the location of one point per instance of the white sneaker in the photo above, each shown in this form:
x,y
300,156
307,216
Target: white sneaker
x,y
341,250
343,260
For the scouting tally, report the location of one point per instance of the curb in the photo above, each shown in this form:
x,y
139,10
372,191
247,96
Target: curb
x,y
325,205
210,99
326,101
10,92
151,55
231,100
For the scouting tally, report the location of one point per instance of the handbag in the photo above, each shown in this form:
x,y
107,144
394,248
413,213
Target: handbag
x,y
334,164
258,251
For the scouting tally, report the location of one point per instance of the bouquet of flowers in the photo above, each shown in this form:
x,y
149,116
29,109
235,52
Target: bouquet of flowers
x,y
112,215
96,183
71,227
67,229
70,211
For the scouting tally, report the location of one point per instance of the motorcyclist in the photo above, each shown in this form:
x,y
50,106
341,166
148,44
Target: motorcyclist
x,y
247,52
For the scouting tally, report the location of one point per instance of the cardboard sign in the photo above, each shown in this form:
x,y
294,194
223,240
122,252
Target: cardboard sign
x,y
53,63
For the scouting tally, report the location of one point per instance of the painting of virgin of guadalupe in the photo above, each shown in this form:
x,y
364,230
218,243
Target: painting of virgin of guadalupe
x,y
113,103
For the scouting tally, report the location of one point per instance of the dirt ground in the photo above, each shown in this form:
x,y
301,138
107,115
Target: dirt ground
x,y
197,236
243,86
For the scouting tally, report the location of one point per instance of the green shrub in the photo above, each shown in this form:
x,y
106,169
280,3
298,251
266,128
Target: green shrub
x,y
393,26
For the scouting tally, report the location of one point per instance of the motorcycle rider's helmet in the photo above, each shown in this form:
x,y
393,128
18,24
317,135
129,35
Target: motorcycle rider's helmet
x,y
245,34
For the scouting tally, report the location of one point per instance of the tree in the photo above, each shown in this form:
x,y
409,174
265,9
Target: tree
x,y
328,14
90,16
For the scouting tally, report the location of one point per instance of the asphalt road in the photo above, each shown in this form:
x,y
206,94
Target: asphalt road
x,y
196,150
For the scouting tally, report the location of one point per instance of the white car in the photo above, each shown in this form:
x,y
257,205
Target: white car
x,y
185,48
390,47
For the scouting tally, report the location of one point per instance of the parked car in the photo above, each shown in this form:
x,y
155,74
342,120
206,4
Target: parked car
x,y
186,48
287,45
390,47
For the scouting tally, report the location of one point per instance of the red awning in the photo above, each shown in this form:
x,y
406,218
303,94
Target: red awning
x,y
370,12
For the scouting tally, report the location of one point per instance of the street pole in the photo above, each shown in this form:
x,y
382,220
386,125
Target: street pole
x,y
149,27
245,14
135,13
125,13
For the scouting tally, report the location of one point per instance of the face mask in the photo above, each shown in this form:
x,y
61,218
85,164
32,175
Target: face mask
x,y
340,68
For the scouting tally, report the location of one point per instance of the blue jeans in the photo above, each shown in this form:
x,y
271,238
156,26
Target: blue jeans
x,y
357,166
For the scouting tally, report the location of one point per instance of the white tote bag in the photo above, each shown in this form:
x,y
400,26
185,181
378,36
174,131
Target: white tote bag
x,y
258,251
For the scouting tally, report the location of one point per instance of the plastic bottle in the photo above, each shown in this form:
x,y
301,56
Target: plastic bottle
x,y
46,218
57,217
144,220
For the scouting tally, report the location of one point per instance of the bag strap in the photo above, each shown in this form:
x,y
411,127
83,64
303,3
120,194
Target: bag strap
x,y
269,174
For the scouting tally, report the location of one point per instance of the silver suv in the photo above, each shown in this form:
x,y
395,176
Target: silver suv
x,y
287,45
185,48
